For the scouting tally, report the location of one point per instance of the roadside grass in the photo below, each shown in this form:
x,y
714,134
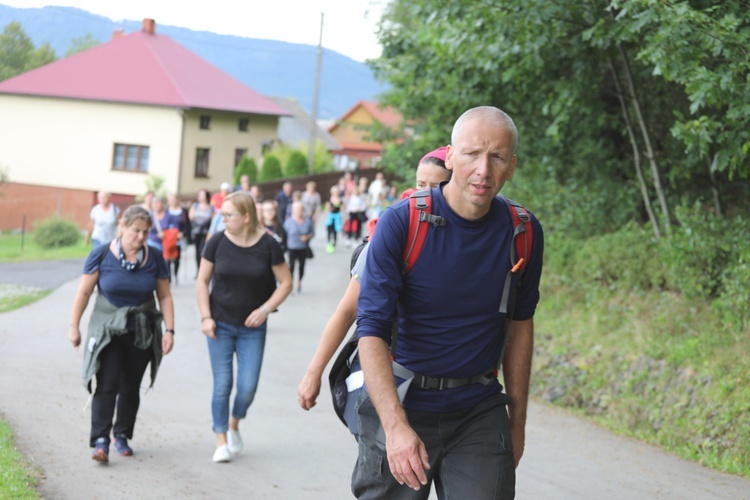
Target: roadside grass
x,y
11,251
652,365
18,477
15,296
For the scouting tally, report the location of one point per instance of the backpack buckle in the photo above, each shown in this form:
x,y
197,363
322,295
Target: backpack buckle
x,y
435,220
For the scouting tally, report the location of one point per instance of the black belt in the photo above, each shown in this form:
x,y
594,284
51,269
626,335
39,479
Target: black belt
x,y
440,383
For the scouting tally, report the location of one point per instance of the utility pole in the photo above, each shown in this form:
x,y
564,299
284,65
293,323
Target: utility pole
x,y
314,122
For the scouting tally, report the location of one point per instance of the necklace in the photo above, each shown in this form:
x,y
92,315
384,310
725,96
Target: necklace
x,y
126,264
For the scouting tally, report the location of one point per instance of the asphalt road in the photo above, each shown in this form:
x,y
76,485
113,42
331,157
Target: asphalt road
x,y
290,453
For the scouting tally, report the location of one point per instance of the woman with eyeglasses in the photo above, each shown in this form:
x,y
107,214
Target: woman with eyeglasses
x,y
245,264
124,333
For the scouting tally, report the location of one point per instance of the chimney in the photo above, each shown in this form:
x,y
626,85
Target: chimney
x,y
148,26
117,33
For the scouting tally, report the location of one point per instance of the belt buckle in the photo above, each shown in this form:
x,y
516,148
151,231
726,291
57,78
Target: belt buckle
x,y
433,383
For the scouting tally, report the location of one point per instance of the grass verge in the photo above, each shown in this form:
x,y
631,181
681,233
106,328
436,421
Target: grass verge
x,y
652,365
15,296
11,249
18,478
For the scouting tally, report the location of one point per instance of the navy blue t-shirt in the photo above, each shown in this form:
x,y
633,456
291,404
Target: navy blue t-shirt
x,y
450,324
121,287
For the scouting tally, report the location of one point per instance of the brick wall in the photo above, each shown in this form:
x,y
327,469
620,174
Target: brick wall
x,y
37,203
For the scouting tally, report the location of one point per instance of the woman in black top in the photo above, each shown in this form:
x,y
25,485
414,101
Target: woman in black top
x,y
245,264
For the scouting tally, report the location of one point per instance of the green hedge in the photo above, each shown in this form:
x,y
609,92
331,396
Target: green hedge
x,y
56,233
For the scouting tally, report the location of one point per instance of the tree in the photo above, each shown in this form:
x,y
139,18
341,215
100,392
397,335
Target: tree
x,y
596,114
247,167
296,165
323,158
271,169
155,184
18,54
79,44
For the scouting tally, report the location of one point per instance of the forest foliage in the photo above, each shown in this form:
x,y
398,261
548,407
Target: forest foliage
x,y
634,153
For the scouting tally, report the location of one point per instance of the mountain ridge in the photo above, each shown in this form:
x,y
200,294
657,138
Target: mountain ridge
x,y
271,67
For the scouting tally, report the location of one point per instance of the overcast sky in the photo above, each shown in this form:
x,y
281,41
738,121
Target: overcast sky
x,y
349,25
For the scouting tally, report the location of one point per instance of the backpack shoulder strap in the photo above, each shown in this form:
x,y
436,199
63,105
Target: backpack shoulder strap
x,y
520,251
101,256
420,218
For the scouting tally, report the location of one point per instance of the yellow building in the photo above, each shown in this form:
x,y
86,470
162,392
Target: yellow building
x,y
105,118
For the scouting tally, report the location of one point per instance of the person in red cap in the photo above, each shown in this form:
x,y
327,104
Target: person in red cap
x,y
430,172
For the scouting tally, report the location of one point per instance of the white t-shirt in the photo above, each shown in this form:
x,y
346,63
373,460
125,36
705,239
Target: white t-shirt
x,y
375,190
356,203
105,223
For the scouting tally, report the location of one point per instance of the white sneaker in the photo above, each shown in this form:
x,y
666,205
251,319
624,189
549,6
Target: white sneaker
x,y
222,454
234,442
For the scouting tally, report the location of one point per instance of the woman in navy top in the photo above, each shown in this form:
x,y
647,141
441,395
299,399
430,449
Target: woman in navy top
x,y
245,263
125,328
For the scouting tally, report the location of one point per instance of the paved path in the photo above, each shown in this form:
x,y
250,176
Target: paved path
x,y
290,454
48,274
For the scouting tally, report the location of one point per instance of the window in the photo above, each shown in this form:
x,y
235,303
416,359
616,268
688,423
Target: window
x,y
243,124
201,162
238,154
205,122
130,158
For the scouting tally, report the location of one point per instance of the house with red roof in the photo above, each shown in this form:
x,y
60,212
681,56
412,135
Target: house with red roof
x,y
106,118
353,132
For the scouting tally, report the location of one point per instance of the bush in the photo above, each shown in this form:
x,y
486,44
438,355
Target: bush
x,y
700,249
271,169
627,259
247,167
297,165
56,232
734,301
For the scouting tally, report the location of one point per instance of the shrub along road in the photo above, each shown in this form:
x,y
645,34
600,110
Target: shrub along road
x,y
289,453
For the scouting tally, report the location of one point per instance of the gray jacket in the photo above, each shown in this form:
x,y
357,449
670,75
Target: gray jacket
x,y
108,320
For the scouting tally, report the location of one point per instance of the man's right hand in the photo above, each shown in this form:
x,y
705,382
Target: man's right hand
x,y
407,457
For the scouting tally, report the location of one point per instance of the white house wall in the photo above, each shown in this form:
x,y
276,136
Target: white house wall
x,y
70,143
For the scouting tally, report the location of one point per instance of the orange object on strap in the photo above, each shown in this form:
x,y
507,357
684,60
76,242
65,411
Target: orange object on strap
x,y
169,243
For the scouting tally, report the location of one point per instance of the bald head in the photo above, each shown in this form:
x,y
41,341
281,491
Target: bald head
x,y
487,113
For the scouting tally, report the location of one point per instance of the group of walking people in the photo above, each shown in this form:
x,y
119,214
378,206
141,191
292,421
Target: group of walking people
x,y
455,425
242,279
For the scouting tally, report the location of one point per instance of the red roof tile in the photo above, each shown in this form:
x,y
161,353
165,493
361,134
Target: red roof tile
x,y
142,68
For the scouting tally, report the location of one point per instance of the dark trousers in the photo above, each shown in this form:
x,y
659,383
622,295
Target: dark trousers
x,y
470,452
331,233
355,225
174,264
200,242
297,256
118,383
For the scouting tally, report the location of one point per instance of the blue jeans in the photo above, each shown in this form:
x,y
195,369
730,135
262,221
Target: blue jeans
x,y
248,344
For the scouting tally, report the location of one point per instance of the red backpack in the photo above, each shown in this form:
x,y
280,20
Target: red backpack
x,y
421,218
